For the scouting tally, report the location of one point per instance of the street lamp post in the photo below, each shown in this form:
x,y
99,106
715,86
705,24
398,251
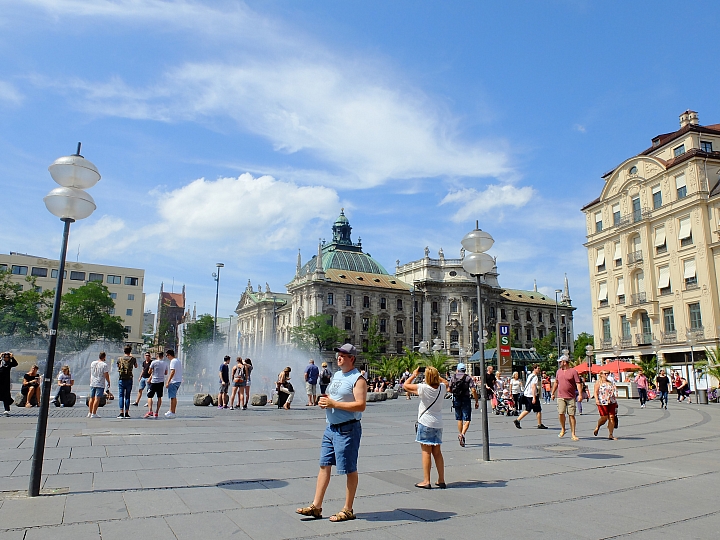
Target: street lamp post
x,y
70,203
216,277
557,320
656,349
588,354
692,340
478,263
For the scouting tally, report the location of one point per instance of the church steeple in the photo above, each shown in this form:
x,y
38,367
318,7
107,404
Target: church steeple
x,y
299,264
566,292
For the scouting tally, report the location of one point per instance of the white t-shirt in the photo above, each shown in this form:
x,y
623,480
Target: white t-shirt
x,y
516,386
98,369
159,370
177,366
433,417
532,379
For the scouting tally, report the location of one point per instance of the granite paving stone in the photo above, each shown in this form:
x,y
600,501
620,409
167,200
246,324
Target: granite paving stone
x,y
87,531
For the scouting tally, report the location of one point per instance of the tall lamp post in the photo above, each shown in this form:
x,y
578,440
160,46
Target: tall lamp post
x,y
692,340
478,263
70,203
557,320
216,277
656,349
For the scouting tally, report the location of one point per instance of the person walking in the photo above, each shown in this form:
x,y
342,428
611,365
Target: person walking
x,y
285,386
462,387
144,376
642,385
7,362
429,425
405,376
99,377
125,365
224,376
344,405
158,370
312,373
174,381
246,389
65,383
568,390
325,377
490,381
516,389
605,398
546,387
663,385
238,383
531,399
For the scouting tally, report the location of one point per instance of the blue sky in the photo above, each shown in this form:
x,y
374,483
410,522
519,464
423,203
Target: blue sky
x,y
235,132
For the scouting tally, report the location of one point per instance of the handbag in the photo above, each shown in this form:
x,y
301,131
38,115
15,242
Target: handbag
x,y
426,410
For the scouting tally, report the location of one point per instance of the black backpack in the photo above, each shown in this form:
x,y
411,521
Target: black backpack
x,y
460,387
325,376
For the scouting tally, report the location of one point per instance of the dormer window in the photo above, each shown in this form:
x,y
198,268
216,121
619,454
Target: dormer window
x,y
679,150
706,146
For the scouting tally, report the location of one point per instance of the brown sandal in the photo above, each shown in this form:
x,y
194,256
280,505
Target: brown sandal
x,y
343,515
312,511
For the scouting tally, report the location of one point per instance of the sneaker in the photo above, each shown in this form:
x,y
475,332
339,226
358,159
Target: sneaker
x,y
170,414
148,414
220,406
127,415
517,424
135,404
542,426
56,403
94,416
121,415
225,407
89,415
232,408
244,408
155,415
6,413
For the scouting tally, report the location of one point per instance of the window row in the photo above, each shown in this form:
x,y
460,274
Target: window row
x,y
637,212
663,283
383,325
645,336
74,276
365,301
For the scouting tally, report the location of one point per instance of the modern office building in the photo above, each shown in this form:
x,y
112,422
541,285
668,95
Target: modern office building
x,y
125,284
424,299
653,240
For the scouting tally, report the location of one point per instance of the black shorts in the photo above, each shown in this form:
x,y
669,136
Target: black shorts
x,y
530,406
156,389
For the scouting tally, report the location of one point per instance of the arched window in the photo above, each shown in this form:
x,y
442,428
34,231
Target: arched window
x,y
453,306
528,317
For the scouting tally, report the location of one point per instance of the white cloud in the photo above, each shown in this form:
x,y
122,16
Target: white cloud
x,y
580,128
9,94
228,215
474,203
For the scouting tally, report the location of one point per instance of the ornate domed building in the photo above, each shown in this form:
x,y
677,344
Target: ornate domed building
x,y
425,299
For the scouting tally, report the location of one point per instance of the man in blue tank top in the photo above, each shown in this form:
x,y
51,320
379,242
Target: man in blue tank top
x,y
344,403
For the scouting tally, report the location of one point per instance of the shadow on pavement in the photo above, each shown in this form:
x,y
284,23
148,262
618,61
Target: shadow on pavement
x,y
477,484
491,444
406,514
600,456
250,484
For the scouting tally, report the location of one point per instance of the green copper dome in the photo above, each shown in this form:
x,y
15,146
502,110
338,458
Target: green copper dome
x,y
342,254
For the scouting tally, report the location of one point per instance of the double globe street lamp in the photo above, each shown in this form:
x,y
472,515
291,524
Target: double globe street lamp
x,y
478,263
70,203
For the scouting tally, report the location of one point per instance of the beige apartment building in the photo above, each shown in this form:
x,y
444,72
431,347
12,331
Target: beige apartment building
x,y
125,284
654,248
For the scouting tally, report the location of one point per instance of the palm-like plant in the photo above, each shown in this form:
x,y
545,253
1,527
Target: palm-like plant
x,y
439,361
385,367
712,366
649,367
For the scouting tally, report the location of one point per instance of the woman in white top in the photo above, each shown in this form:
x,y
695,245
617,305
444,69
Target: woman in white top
x,y
516,388
429,423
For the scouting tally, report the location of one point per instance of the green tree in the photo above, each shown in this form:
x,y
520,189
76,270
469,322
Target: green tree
x,y
547,350
439,361
197,337
317,333
385,367
24,312
581,341
492,340
649,367
375,341
712,365
85,317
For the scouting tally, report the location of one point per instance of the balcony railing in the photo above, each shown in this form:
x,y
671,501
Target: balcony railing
x,y
606,343
638,298
635,256
643,339
691,286
698,333
669,337
641,213
625,341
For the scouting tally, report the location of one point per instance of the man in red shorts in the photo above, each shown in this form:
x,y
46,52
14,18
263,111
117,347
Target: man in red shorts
x,y
567,381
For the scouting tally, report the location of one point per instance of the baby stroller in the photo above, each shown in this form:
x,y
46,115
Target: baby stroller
x,y
506,404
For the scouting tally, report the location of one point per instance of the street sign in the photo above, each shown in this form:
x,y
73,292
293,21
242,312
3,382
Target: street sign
x,y
504,345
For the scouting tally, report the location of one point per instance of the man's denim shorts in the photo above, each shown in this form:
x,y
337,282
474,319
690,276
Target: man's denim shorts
x,y
340,447
172,389
97,391
463,409
143,383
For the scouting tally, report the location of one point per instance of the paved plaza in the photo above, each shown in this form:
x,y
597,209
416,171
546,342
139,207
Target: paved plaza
x,y
240,474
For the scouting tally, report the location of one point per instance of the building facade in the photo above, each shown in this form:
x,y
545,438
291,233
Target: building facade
x,y
125,284
653,240
424,299
170,315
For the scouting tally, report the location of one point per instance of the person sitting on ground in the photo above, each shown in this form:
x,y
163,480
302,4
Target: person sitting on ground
x,y
285,386
65,383
31,387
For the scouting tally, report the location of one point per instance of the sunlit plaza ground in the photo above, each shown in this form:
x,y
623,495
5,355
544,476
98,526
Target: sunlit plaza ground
x,y
213,473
